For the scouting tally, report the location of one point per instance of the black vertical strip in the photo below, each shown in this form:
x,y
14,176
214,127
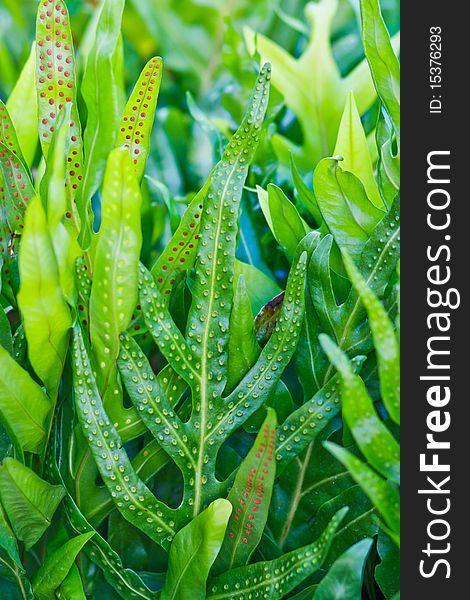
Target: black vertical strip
x,y
435,568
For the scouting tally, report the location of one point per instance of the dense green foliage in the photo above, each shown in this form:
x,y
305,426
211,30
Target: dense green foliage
x,y
199,334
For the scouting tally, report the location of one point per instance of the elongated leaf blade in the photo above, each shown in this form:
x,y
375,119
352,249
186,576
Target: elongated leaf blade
x,y
17,188
344,579
46,315
29,501
132,498
99,551
8,134
385,341
180,253
137,121
344,204
193,552
250,497
382,59
24,406
373,438
208,320
303,425
259,382
56,87
351,144
56,567
102,95
385,497
114,290
22,105
72,587
275,578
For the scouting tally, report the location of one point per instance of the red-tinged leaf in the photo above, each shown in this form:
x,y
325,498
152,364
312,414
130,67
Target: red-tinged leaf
x,y
55,83
8,133
250,497
17,188
7,212
180,253
137,121
266,319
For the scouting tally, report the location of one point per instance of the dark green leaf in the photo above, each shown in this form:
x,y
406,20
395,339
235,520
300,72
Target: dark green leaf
x,y
29,501
56,567
193,552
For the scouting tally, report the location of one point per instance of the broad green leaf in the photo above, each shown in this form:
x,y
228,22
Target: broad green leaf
x,y
382,59
351,144
114,290
371,435
276,578
132,498
60,208
344,579
24,406
56,567
54,178
250,497
385,497
306,195
29,501
102,96
97,548
46,316
137,121
23,108
385,342
72,587
344,204
193,551
286,224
